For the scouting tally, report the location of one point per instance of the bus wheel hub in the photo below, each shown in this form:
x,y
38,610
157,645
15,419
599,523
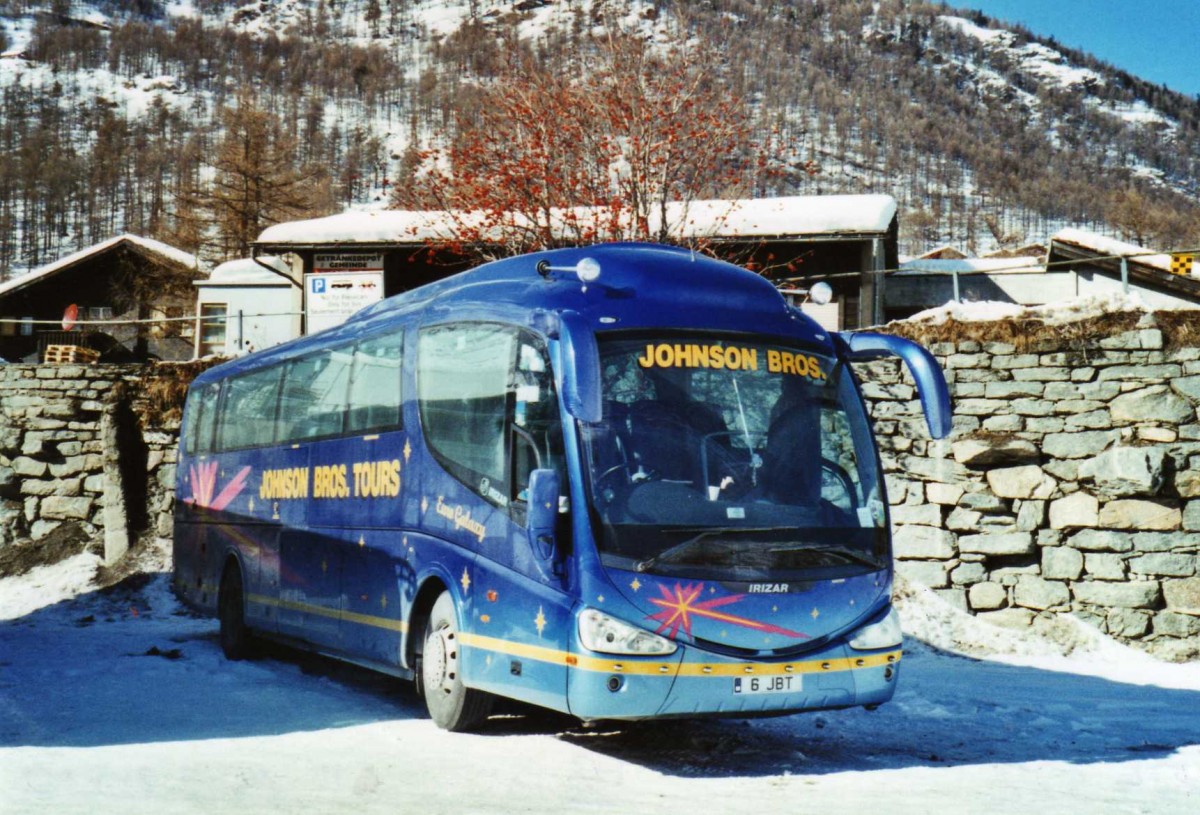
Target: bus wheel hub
x,y
440,661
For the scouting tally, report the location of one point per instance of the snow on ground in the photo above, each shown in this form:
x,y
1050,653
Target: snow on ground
x,y
1042,61
119,700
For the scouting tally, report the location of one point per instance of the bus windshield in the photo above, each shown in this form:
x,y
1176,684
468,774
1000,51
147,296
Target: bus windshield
x,y
722,457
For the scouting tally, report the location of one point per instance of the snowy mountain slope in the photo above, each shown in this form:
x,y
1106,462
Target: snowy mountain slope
x,y
119,700
984,134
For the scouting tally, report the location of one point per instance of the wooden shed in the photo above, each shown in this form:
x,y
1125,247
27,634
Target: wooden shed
x,y
88,300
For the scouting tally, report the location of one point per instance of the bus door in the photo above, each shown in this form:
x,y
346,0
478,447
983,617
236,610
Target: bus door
x,y
490,416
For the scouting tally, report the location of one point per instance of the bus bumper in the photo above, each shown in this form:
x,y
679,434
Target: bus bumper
x,y
698,683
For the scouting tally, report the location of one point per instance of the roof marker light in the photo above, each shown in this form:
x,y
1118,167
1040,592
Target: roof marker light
x,y
587,269
820,293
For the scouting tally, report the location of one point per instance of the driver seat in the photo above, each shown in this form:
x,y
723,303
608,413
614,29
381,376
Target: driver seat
x,y
791,470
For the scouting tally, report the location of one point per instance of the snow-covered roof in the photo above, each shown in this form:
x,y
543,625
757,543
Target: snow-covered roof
x,y
791,215
801,215
147,246
1109,247
925,266
371,226
248,272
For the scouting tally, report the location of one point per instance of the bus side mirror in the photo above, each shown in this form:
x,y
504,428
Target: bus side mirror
x,y
541,517
931,382
580,368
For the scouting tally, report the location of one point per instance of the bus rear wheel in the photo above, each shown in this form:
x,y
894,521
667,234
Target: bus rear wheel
x,y
452,705
236,640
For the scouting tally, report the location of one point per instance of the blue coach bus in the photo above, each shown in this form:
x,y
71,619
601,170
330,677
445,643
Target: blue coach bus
x,y
621,482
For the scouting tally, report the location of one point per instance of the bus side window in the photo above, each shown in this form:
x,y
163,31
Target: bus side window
x,y
536,424
375,395
202,417
463,378
312,403
247,417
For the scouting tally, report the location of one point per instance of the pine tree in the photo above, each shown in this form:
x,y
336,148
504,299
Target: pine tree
x,y
257,179
372,15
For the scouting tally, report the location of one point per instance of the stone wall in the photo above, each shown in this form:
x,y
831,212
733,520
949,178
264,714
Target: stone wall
x,y
1070,485
74,454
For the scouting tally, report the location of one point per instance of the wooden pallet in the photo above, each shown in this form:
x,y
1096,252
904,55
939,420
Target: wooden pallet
x,y
57,354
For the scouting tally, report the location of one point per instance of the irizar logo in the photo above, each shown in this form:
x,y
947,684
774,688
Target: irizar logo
x,y
767,588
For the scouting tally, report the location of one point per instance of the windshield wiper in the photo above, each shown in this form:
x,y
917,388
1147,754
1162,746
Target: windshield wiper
x,y
835,549
698,543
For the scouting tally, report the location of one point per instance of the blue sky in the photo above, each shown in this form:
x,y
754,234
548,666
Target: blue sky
x,y
1157,40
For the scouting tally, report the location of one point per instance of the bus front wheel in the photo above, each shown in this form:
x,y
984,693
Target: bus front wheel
x,y
452,705
236,640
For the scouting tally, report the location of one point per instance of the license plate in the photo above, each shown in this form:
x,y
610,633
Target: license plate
x,y
746,685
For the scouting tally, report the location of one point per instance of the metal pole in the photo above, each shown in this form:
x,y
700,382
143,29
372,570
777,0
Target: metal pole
x,y
1124,276
879,264
957,293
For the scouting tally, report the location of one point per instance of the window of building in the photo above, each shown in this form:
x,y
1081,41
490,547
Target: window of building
x,y
212,329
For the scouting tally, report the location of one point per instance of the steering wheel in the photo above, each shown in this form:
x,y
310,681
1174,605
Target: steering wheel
x,y
616,468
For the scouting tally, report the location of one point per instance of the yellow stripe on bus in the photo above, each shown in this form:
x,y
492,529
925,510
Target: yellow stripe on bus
x,y
333,613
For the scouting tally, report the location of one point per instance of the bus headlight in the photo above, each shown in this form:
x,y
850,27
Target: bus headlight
x,y
884,634
599,632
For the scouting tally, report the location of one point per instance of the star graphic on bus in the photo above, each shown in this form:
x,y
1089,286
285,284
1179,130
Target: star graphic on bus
x,y
204,484
680,605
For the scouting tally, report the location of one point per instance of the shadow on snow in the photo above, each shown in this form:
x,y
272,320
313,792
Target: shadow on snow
x,y
111,667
